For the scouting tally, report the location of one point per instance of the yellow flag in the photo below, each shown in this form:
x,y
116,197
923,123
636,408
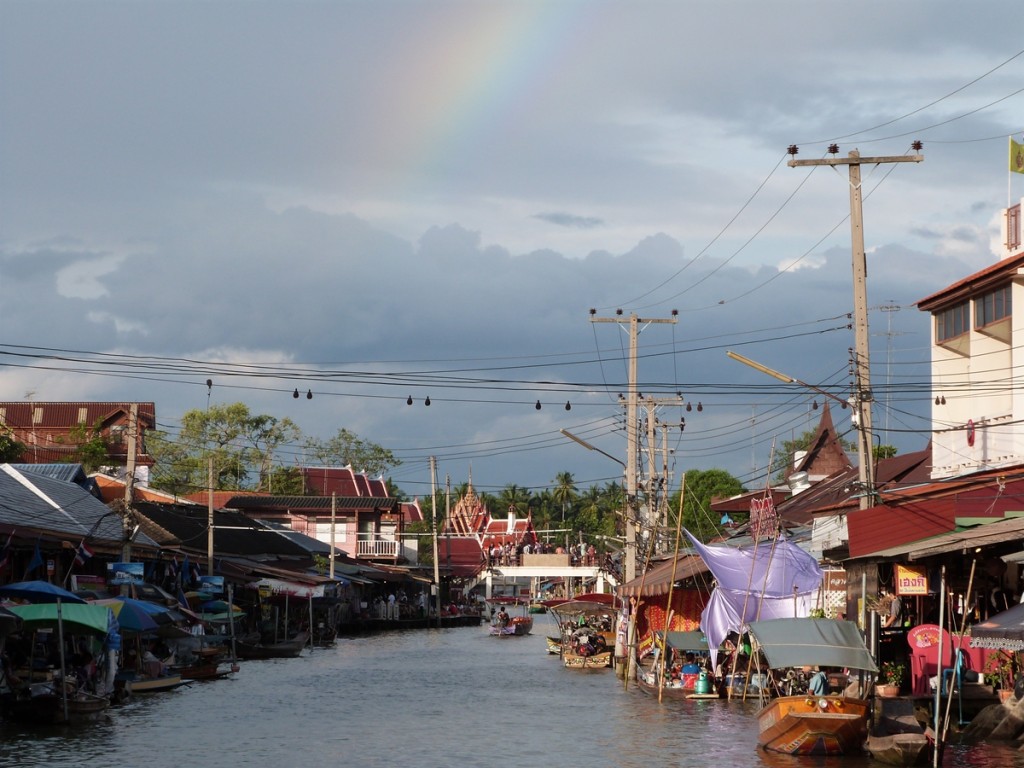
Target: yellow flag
x,y
1016,156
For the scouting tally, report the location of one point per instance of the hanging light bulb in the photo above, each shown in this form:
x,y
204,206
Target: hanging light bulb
x,y
815,405
409,401
309,394
295,394
537,406
700,407
936,399
427,401
942,400
567,406
689,406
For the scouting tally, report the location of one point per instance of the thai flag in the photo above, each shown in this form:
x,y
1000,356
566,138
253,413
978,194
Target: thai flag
x,y
82,554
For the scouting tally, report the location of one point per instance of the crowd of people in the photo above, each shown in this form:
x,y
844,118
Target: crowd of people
x,y
510,554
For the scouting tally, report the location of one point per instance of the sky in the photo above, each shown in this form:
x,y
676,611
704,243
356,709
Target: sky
x,y
381,201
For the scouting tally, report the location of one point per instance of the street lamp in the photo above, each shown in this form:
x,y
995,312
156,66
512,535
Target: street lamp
x,y
590,447
864,445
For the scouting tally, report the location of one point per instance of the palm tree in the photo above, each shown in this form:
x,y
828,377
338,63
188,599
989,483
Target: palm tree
x,y
514,496
564,492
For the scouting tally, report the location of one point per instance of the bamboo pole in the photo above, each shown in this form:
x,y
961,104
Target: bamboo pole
x,y
956,651
672,585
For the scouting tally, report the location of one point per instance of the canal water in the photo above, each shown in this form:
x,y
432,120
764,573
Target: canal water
x,y
425,698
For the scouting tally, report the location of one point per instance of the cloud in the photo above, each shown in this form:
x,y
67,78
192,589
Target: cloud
x,y
570,220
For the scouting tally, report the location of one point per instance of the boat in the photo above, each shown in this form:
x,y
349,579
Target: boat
x,y
144,684
554,645
252,648
205,664
40,704
680,681
511,626
803,724
586,639
898,738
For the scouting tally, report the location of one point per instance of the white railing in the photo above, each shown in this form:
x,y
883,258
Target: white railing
x,y
377,548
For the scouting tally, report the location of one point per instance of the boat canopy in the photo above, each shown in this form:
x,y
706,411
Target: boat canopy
x,y
816,642
77,617
1003,631
687,641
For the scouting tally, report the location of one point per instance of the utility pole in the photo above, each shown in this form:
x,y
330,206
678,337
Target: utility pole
x,y
862,366
631,514
433,520
129,487
657,503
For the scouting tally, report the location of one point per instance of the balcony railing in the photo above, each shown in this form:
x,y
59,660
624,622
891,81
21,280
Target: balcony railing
x,y
378,548
1013,228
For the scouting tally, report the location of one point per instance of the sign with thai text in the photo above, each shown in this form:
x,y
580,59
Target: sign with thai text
x,y
911,580
835,581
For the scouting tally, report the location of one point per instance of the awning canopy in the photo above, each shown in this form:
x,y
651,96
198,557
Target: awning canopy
x,y
660,578
1009,529
1004,631
821,642
289,588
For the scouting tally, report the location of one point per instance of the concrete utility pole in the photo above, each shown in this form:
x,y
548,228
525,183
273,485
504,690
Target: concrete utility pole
x,y
657,503
862,366
129,487
433,525
629,566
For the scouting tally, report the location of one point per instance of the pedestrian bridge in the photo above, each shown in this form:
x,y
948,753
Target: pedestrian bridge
x,y
538,568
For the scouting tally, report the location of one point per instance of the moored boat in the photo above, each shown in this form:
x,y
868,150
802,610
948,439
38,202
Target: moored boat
x,y
807,724
898,738
42,705
286,649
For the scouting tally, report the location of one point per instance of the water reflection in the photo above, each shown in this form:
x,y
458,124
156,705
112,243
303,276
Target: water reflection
x,y
429,698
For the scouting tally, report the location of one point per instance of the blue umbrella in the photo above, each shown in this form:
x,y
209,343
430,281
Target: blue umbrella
x,y
39,592
130,617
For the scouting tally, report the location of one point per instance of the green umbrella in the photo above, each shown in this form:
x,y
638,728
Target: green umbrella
x,y
77,617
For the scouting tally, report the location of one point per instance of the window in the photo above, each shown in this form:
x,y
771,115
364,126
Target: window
x,y
952,322
992,307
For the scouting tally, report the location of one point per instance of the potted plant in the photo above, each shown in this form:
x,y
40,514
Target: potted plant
x,y
890,678
998,672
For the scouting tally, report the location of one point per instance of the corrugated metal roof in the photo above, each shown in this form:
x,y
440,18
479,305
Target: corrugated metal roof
x,y
23,414
38,502
997,532
69,473
309,503
234,533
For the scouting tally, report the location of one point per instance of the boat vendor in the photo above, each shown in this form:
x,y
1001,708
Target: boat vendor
x,y
817,685
502,618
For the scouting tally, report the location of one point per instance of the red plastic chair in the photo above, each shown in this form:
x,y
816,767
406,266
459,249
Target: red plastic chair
x,y
924,655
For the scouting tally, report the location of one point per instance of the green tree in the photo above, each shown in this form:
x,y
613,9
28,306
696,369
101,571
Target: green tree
x,y
240,444
701,487
91,448
513,496
10,449
884,451
347,449
564,493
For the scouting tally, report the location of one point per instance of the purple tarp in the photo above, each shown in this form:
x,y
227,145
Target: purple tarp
x,y
774,579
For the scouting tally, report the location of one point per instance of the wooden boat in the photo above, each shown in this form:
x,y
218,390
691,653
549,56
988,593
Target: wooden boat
x,y
585,637
805,724
143,684
287,649
516,626
46,707
601,660
898,738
